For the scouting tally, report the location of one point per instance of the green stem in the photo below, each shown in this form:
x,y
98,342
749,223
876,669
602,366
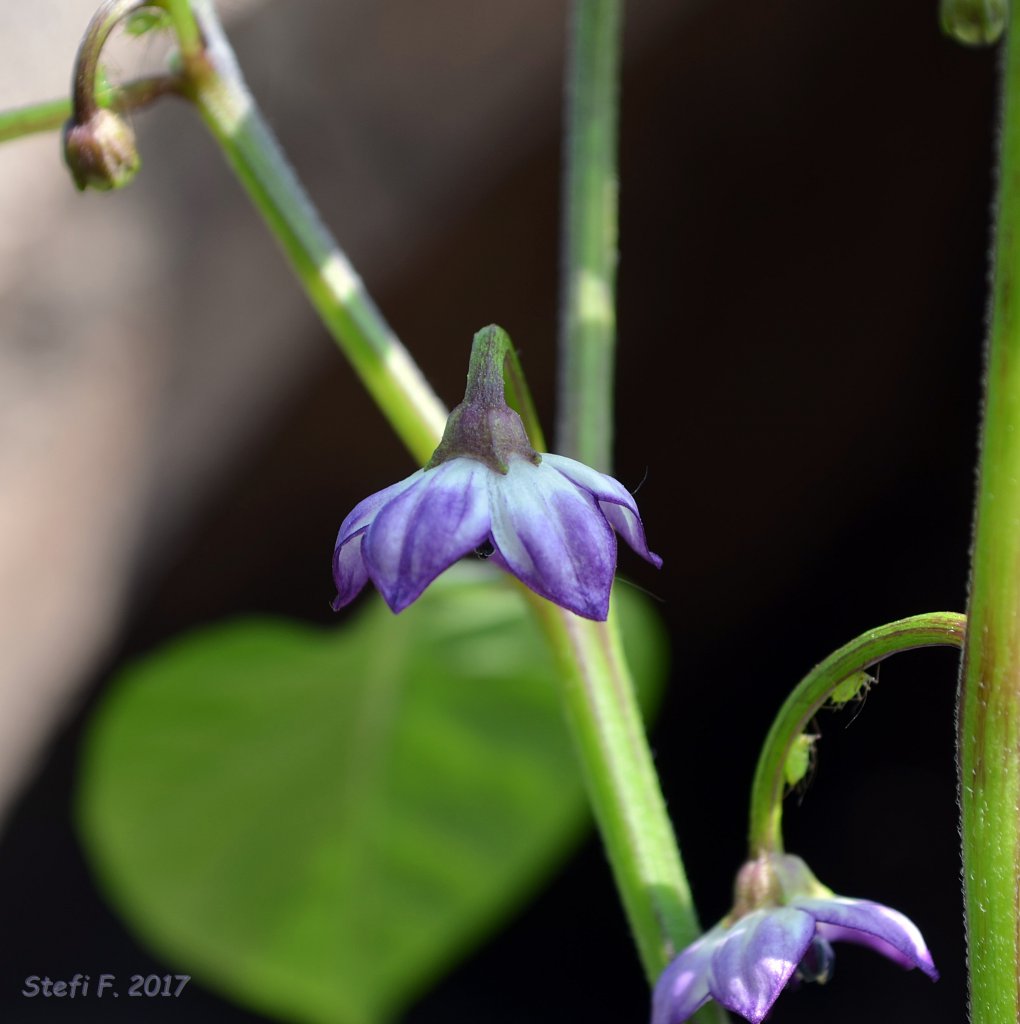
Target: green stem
x,y
37,117
186,28
768,788
588,326
606,723
337,292
989,711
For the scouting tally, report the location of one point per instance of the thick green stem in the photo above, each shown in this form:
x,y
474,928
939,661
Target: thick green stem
x,y
768,788
989,712
588,325
337,292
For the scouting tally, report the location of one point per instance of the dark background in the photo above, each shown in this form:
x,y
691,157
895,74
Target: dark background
x,y
804,227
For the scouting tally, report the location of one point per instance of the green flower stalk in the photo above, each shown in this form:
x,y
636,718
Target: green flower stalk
x,y
836,680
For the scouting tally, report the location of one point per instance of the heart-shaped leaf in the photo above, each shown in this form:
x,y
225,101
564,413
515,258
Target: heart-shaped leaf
x,y
316,823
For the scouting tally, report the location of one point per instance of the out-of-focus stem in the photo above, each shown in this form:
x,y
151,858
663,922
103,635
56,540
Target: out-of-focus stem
x,y
588,316
386,368
51,115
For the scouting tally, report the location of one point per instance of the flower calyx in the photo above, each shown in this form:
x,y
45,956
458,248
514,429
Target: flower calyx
x,y
483,427
772,880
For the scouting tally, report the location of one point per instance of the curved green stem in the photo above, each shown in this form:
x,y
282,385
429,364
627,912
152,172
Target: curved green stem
x,y
768,789
335,289
108,15
588,325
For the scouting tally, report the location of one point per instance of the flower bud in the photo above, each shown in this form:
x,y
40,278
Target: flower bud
x,y
974,22
101,152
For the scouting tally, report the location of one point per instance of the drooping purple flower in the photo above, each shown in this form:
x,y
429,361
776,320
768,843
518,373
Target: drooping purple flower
x,y
547,519
746,960
551,525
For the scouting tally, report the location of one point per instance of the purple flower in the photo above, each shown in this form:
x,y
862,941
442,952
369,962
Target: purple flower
x,y
548,520
746,960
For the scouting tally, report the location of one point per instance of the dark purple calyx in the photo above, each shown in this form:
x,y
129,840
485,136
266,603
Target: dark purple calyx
x,y
483,426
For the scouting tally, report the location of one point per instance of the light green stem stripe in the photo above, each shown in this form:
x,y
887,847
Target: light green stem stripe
x,y
767,790
989,713
335,289
588,324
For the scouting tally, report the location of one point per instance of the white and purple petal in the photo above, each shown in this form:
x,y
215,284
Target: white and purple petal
x,y
682,988
425,529
757,957
551,535
616,503
881,928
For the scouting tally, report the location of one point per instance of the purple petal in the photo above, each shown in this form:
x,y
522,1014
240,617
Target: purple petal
x,y
365,511
883,929
682,989
349,572
552,537
424,530
757,957
615,501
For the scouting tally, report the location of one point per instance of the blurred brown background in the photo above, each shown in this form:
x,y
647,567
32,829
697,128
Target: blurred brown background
x,y
804,229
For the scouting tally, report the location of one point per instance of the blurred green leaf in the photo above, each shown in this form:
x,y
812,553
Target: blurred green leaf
x,y
317,823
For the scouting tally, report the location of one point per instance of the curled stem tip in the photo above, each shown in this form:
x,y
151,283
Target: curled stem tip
x,y
838,678
86,69
99,145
